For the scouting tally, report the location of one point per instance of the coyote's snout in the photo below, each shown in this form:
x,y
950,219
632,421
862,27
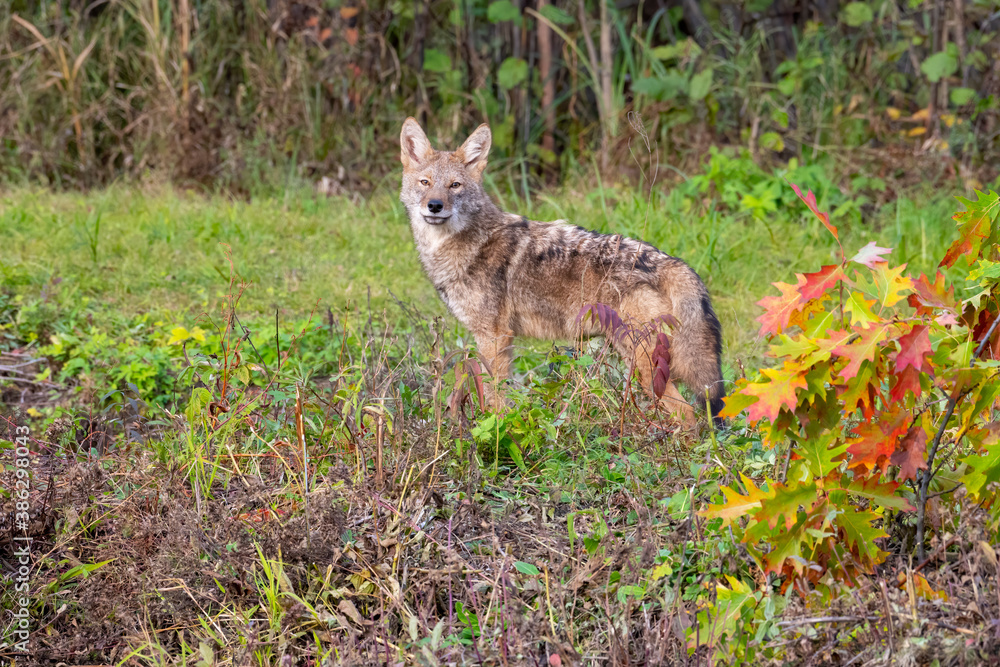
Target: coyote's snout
x,y
503,275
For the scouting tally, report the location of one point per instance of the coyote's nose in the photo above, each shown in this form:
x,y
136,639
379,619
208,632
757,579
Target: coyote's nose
x,y
435,205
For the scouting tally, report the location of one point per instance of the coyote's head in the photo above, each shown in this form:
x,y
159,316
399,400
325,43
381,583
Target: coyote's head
x,y
440,188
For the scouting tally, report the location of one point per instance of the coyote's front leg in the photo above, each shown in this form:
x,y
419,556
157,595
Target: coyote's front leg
x,y
497,350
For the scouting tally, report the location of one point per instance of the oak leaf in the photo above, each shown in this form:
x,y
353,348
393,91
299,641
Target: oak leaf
x,y
870,255
778,392
910,453
974,226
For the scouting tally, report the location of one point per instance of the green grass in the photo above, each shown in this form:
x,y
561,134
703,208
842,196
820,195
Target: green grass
x,y
118,254
224,542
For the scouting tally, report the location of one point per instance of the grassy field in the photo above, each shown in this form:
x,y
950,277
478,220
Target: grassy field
x,y
245,456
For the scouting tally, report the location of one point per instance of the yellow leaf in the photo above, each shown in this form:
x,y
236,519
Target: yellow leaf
x,y
660,571
948,119
32,412
178,335
916,132
920,116
893,113
198,334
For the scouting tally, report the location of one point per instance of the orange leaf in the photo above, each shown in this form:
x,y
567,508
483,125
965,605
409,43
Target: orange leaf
x,y
780,391
974,226
862,349
778,309
876,439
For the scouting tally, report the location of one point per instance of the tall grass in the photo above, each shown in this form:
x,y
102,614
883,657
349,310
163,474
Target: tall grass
x,y
245,95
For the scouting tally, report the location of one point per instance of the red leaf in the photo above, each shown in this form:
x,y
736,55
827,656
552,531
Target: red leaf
x,y
876,440
780,391
870,255
778,309
862,349
910,453
914,350
810,201
813,285
908,380
927,295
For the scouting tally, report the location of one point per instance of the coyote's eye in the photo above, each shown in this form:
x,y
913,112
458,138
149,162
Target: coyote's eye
x,y
424,181
456,184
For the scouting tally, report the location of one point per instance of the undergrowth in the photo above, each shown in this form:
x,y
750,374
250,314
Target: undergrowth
x,y
255,441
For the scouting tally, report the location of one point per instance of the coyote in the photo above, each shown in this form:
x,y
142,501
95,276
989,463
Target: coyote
x,y
503,275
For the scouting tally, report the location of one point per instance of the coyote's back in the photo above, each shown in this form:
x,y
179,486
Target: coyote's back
x,y
503,275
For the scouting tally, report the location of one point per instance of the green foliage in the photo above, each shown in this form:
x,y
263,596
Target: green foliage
x,y
863,355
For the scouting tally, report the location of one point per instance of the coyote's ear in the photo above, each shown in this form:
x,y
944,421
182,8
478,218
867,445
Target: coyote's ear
x,y
413,143
475,150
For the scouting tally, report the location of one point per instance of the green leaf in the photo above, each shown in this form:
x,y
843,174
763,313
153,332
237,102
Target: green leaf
x,y
939,65
556,15
785,502
960,96
515,453
861,535
985,272
724,618
526,568
701,83
503,10
860,309
436,61
819,457
983,469
772,141
512,72
662,89
856,14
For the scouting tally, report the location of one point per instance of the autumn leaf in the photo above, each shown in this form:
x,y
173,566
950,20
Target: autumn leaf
x,y
910,453
777,393
778,309
915,350
795,348
882,494
974,226
890,283
736,505
787,545
870,255
906,381
810,201
814,285
860,309
860,350
860,535
785,502
875,440
736,403
930,296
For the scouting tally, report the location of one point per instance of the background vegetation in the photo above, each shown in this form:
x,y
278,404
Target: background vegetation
x,y
256,436
248,94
